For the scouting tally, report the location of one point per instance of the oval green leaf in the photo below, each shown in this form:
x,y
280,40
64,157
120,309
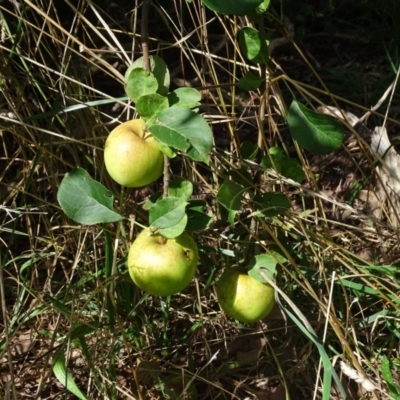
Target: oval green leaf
x,y
318,133
250,82
230,195
175,230
184,98
180,188
283,164
183,129
150,105
197,218
271,204
159,69
85,200
167,212
237,7
254,45
140,83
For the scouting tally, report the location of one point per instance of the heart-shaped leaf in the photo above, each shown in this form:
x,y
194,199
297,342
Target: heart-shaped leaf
x,y
85,200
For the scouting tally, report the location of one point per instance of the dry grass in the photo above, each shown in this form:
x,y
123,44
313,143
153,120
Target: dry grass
x,y
65,293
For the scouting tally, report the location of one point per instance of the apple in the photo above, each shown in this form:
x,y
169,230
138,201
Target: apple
x,y
244,298
161,266
132,156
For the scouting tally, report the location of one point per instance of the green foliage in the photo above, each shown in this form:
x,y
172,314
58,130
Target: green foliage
x,y
254,45
316,132
158,69
239,7
185,130
250,81
280,162
140,83
86,201
260,265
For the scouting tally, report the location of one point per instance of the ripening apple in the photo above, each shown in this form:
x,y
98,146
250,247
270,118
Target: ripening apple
x,y
161,266
132,156
244,298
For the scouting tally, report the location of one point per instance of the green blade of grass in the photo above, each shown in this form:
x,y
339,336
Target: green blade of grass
x,y
308,331
65,377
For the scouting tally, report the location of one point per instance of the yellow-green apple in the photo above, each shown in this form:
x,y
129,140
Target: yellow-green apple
x,y
132,156
161,266
242,297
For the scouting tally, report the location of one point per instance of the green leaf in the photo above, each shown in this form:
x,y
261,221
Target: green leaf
x,y
248,150
85,200
183,129
250,82
263,7
237,7
394,389
241,176
262,263
254,45
140,83
180,188
318,133
175,230
64,377
197,218
271,204
167,150
283,164
159,69
168,137
84,329
150,105
230,195
167,212
301,321
184,98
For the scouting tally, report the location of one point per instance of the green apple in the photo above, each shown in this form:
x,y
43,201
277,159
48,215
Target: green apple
x,y
161,266
132,156
244,298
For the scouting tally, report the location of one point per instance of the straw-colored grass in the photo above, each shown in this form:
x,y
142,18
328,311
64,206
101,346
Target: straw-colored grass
x,y
69,310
